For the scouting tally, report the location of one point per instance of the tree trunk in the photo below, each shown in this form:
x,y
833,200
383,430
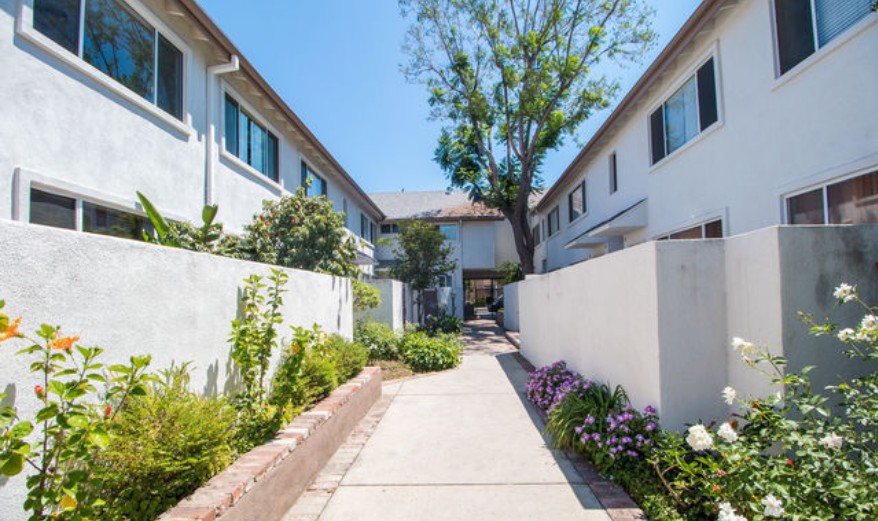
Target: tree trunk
x,y
521,232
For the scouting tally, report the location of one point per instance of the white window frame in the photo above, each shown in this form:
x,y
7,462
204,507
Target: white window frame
x,y
236,161
713,51
24,180
822,186
701,219
456,231
24,26
583,185
819,52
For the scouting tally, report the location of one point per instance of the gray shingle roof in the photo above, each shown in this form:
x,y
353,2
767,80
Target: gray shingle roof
x,y
431,205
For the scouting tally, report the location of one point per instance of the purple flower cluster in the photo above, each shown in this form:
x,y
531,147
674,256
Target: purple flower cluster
x,y
624,433
550,384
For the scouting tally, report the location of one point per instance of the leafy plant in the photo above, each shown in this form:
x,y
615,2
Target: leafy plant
x,y
443,324
287,384
547,386
424,353
379,338
206,238
302,232
73,427
167,443
422,257
349,357
366,296
511,271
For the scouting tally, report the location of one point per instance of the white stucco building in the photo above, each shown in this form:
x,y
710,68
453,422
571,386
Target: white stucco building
x,y
757,113
168,106
481,238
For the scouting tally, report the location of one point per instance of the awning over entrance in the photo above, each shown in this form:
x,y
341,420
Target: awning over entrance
x,y
628,220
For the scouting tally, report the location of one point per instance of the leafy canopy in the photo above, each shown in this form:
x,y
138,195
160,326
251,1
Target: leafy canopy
x,y
422,256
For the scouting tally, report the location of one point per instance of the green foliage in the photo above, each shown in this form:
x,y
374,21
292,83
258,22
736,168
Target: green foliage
x,y
422,257
74,426
512,80
349,357
287,384
366,296
511,271
381,341
319,378
167,443
443,324
302,232
425,353
207,238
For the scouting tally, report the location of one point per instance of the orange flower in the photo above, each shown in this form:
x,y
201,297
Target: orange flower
x,y
11,330
62,343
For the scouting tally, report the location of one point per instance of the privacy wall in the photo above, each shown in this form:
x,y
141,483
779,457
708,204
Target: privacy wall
x,y
391,310
658,318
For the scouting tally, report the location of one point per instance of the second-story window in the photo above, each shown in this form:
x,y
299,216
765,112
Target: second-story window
x,y
367,228
614,176
118,42
449,231
536,234
689,111
576,202
553,222
389,229
803,26
318,184
250,141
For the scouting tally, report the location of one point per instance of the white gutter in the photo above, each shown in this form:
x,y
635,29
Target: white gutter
x,y
215,70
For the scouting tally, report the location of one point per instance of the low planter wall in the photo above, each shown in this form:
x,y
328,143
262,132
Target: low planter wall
x,y
266,482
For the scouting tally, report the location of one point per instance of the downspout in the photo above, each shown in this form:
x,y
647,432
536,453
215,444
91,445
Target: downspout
x,y
212,72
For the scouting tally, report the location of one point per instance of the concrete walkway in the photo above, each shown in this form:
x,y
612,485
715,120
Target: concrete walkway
x,y
458,445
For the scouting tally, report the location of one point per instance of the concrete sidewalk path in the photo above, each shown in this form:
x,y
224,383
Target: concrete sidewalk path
x,y
459,445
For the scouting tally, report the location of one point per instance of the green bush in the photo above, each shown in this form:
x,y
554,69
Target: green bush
x,y
424,353
168,443
366,296
349,357
444,323
381,341
318,378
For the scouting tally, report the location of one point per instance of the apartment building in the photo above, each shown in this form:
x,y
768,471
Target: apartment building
x,y
102,98
757,113
481,239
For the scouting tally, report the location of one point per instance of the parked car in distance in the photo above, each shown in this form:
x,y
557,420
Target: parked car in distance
x,y
496,306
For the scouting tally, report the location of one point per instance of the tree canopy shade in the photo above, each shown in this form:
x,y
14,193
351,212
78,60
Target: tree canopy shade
x,y
422,257
511,79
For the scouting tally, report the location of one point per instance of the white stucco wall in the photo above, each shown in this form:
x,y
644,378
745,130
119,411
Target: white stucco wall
x,y
391,310
510,307
776,136
132,298
658,318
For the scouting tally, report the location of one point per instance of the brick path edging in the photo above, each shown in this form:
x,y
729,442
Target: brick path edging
x,y
614,499
286,464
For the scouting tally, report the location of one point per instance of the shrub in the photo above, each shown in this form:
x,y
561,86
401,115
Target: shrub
x,y
168,442
424,353
380,339
366,296
319,378
443,324
349,357
548,385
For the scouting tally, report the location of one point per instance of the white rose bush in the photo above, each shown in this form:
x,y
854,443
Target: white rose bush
x,y
799,454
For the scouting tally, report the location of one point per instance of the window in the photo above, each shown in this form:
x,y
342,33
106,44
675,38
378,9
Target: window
x,y
576,204
614,179
118,42
367,228
536,234
250,141
445,281
709,230
389,229
553,222
449,231
803,26
853,201
60,211
318,184
688,112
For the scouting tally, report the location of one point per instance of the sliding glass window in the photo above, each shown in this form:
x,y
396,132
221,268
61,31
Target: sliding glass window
x,y
118,42
852,201
250,141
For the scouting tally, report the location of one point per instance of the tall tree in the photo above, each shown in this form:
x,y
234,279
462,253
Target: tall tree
x,y
422,257
511,79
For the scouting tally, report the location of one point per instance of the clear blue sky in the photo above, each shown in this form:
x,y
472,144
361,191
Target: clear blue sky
x,y
336,63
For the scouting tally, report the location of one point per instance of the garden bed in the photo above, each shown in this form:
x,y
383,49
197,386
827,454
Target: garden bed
x,y
265,482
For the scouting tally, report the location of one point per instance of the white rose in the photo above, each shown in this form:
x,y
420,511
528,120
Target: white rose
x,y
699,439
773,506
832,441
729,395
727,433
846,335
845,292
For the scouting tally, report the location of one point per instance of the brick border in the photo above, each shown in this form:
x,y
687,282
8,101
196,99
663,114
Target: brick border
x,y
264,483
614,499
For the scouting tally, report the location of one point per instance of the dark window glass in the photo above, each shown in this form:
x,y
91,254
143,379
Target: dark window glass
x,y
795,32
536,234
806,208
116,223
836,16
231,124
119,43
576,202
59,20
713,230
554,221
170,78
364,227
690,233
271,153
386,229
707,109
657,134
854,201
318,185
372,232
681,116
52,210
256,146
614,179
